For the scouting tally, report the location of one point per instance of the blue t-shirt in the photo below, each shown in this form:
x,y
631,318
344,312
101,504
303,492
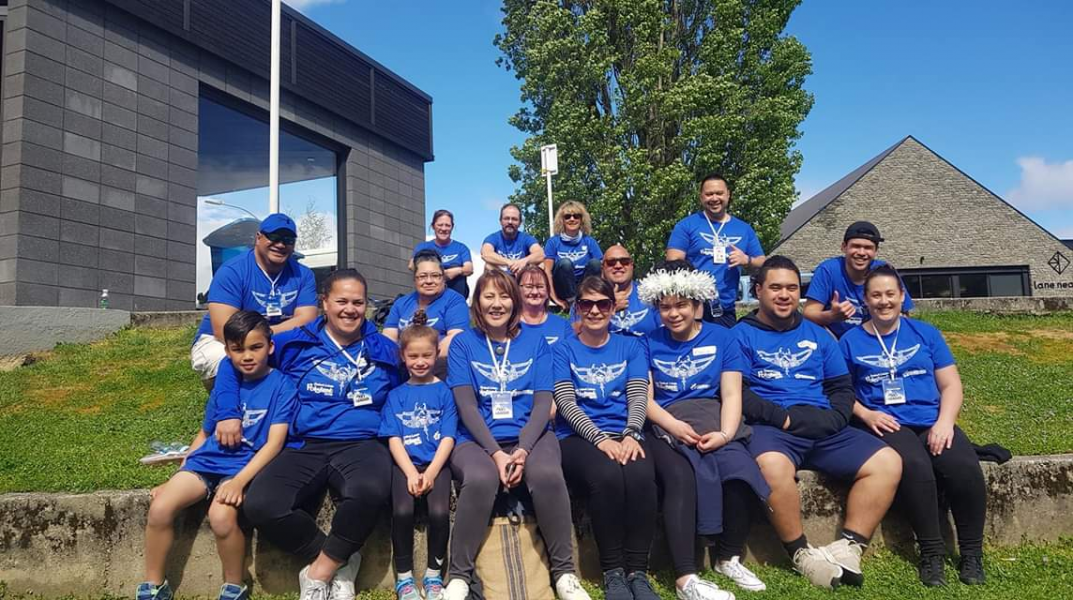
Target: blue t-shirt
x,y
454,254
446,312
265,402
241,283
599,376
511,249
831,275
788,367
524,373
579,252
684,370
919,351
637,319
554,329
694,236
422,415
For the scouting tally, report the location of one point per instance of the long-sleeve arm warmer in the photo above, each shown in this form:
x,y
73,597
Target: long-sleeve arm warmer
x,y
466,403
538,421
566,401
636,404
815,422
757,410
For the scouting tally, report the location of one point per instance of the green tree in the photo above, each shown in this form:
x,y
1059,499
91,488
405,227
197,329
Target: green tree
x,y
643,97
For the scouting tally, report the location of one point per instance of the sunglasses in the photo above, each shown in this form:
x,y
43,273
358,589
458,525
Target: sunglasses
x,y
572,216
624,261
603,306
280,238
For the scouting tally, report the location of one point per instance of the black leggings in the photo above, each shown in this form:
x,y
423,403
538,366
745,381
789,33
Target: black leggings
x,y
438,502
957,472
621,500
280,498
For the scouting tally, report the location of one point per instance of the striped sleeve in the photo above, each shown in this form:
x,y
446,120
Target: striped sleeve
x,y
566,402
636,404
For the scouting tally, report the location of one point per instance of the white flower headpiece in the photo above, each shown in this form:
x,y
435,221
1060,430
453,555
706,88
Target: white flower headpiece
x,y
695,285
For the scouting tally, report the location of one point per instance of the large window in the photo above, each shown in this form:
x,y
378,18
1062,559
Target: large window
x,y
233,190
979,282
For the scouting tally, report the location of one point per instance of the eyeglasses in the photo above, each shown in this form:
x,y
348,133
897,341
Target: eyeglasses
x,y
570,216
603,306
534,287
429,277
280,238
624,261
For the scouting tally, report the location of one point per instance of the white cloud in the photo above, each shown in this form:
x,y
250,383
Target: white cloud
x,y
1043,186
305,5
478,268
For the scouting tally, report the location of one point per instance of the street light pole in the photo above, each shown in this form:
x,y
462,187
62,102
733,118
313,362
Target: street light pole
x,y
273,115
215,202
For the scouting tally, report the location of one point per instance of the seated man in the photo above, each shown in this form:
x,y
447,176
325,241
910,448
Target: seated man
x,y
799,399
632,316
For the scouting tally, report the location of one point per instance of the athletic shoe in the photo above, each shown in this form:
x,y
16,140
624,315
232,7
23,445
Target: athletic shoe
x,y
230,591
931,571
342,587
457,589
433,588
615,587
972,570
701,589
818,567
847,554
151,591
406,590
641,587
312,589
567,587
739,574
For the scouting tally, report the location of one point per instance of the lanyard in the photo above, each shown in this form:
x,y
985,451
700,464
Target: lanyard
x,y
722,224
500,368
272,282
893,348
354,361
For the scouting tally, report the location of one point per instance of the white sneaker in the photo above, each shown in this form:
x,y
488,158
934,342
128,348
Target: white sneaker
x,y
457,589
847,554
701,589
818,567
746,579
311,589
343,580
567,587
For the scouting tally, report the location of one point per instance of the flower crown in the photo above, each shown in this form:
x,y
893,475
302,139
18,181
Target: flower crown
x,y
695,285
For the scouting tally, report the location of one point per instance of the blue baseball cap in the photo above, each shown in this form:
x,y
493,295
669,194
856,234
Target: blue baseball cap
x,y
276,221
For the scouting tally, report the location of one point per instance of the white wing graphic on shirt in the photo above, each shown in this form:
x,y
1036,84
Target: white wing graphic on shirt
x,y
511,255
421,417
511,371
574,255
884,362
723,239
446,258
785,359
252,417
599,375
285,298
343,374
684,367
626,319
551,339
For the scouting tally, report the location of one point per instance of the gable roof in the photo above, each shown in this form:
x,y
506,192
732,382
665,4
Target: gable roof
x,y
803,213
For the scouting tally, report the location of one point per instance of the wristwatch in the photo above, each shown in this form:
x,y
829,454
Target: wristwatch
x,y
633,433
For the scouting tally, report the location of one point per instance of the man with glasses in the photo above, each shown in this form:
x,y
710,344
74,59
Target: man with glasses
x,y
268,280
714,241
510,248
632,316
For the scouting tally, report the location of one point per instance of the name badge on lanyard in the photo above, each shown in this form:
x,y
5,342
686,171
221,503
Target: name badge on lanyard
x,y
893,386
503,399
358,397
719,249
273,307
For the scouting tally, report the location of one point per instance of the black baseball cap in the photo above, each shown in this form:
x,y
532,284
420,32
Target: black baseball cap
x,y
862,230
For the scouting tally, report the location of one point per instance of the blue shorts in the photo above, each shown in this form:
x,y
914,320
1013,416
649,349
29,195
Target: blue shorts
x,y
211,480
839,455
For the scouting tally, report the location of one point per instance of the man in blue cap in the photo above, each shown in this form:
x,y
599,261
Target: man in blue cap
x,y
268,280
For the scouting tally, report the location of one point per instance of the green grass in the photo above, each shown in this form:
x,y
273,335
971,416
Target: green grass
x,y
79,418
1026,572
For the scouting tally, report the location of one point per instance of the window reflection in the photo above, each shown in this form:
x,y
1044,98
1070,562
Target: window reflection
x,y
233,190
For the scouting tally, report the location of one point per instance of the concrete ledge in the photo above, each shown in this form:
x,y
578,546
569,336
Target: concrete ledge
x,y
177,318
89,544
1019,305
39,328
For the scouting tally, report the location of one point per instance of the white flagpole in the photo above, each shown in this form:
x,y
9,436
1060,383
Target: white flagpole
x,y
273,115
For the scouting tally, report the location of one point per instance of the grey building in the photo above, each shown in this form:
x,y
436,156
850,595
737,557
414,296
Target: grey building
x,y
135,131
949,236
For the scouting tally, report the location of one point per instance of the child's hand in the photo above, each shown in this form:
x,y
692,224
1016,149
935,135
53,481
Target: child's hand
x,y
429,479
230,493
413,484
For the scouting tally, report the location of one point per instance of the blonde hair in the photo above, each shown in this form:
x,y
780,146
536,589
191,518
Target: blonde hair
x,y
572,206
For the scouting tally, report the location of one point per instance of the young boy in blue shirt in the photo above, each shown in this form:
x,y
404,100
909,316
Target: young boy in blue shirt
x,y
210,471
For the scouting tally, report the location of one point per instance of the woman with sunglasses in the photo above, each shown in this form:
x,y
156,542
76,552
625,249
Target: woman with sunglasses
x,y
534,284
601,390
695,414
343,369
457,262
502,386
570,254
909,393
445,309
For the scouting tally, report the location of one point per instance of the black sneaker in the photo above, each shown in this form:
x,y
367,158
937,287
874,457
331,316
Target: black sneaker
x,y
615,587
972,570
931,571
641,586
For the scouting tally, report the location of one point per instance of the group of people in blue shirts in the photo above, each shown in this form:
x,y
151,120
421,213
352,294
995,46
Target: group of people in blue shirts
x,y
649,400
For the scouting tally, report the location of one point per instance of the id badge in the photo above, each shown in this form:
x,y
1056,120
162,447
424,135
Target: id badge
x,y
273,310
502,405
719,254
360,398
893,391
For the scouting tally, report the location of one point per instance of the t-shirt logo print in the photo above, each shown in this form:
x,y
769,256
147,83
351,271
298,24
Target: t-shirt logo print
x,y
285,298
626,319
446,258
788,359
510,371
885,362
574,255
343,375
599,375
685,367
723,241
421,417
511,255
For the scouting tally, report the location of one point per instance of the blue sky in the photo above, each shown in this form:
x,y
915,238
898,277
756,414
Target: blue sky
x,y
987,84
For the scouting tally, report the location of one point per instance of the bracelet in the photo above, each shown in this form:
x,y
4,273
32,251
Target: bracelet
x,y
725,436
